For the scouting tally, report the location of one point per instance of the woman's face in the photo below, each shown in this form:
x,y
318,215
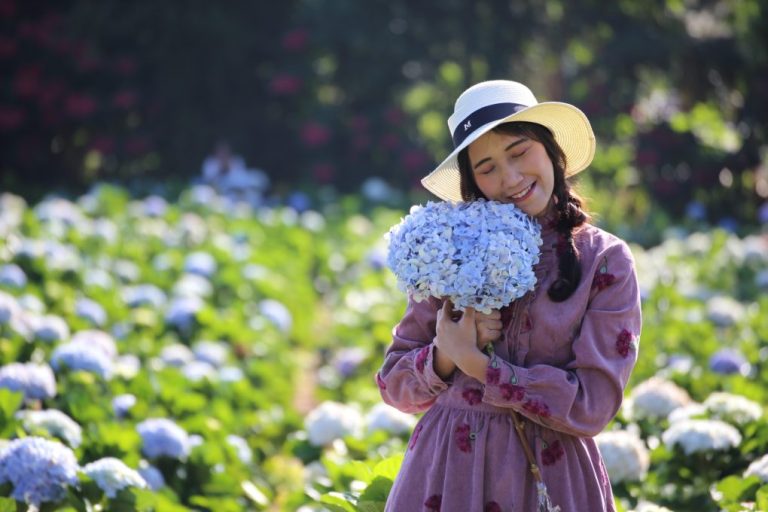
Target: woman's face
x,y
513,169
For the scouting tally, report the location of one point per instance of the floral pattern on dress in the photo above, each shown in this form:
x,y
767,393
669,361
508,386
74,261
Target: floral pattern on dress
x,y
625,342
552,453
463,438
492,506
492,375
415,436
472,396
537,407
421,359
512,392
602,278
434,503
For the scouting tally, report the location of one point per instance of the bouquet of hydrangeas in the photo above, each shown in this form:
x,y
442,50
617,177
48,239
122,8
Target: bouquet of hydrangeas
x,y
477,254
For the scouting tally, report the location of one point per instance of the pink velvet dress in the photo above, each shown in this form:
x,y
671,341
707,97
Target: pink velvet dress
x,y
561,366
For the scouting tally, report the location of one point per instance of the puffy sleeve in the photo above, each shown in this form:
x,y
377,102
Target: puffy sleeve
x,y
581,397
407,379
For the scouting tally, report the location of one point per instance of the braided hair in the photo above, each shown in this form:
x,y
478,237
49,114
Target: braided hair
x,y
568,204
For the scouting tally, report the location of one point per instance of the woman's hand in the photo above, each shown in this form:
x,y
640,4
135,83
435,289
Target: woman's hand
x,y
457,341
488,327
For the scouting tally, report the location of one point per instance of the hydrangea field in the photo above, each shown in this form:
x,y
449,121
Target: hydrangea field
x,y
207,355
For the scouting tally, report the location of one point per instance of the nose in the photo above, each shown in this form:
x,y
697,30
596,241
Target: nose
x,y
511,175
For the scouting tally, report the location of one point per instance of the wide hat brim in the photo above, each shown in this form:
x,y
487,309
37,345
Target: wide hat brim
x,y
568,124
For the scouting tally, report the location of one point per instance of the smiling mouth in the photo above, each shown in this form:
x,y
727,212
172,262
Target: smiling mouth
x,y
523,194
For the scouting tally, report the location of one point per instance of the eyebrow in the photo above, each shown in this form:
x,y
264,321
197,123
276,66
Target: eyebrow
x,y
518,141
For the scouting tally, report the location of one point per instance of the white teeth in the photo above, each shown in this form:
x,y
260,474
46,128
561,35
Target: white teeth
x,y
521,194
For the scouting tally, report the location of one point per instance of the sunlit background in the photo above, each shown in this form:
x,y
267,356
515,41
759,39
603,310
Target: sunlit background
x,y
215,336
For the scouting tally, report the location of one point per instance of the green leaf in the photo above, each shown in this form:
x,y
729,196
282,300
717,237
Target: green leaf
x,y
378,490
337,502
762,498
735,488
7,505
389,467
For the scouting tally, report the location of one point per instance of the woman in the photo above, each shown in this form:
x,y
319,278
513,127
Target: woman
x,y
555,361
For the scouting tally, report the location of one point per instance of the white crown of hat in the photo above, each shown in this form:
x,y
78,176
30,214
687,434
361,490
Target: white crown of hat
x,y
489,93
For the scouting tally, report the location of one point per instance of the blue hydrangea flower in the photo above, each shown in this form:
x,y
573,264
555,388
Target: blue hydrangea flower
x,y
176,355
12,276
240,445
51,328
200,263
144,295
97,339
36,381
122,404
91,311
163,437
478,254
9,306
212,352
39,470
728,361
82,356
231,374
199,370
151,475
182,312
112,475
277,313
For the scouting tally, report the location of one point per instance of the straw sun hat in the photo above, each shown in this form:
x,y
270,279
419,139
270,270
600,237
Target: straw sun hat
x,y
489,104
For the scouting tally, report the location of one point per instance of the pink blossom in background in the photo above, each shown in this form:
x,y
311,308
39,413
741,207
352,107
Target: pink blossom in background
x,y
8,47
359,123
125,65
79,105
414,160
103,144
26,83
7,8
285,84
390,141
11,117
394,115
296,39
136,145
50,94
314,134
360,142
124,99
323,173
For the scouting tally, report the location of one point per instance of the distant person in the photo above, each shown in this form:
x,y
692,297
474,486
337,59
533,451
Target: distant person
x,y
228,174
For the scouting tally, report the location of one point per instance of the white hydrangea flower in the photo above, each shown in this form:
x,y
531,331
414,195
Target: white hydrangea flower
x,y
724,311
50,328
732,408
387,418
701,436
625,455
330,421
687,412
55,422
655,398
176,355
112,475
758,468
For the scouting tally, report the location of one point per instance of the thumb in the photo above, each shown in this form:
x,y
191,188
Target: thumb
x,y
469,315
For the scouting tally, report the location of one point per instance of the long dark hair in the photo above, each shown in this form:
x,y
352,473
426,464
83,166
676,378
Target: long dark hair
x,y
570,209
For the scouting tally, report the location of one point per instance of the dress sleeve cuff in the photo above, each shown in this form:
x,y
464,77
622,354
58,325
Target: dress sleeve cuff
x,y
505,384
425,365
